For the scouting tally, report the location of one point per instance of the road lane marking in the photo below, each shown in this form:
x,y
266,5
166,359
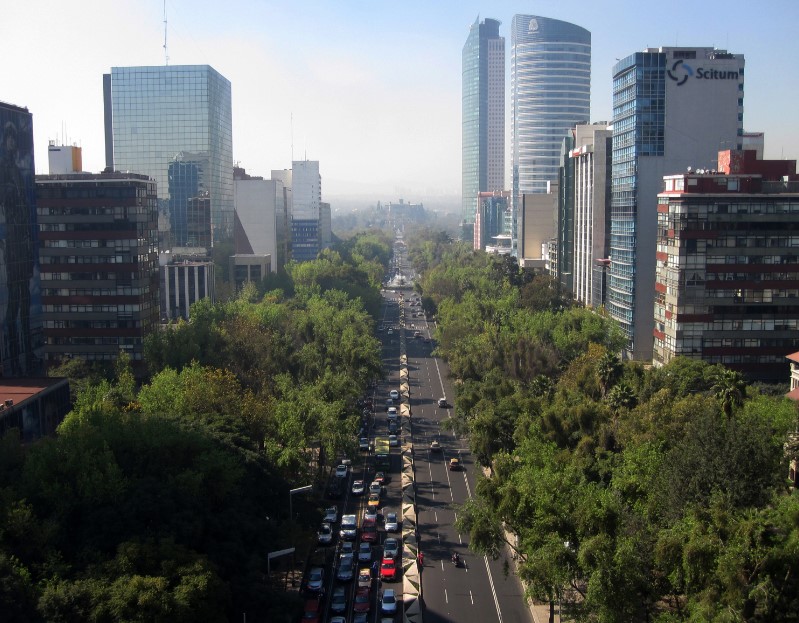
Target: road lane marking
x,y
471,596
493,590
446,597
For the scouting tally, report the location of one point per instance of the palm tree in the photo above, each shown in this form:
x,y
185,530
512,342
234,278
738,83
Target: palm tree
x,y
729,388
607,370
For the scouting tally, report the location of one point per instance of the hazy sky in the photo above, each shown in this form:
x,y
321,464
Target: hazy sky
x,y
374,87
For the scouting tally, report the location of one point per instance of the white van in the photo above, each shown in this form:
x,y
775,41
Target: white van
x,y
349,527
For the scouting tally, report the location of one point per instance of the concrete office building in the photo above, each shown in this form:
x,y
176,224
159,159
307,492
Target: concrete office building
x,y
20,292
283,219
727,281
562,269
591,162
173,123
258,202
550,94
672,108
306,192
250,267
537,228
187,276
99,263
483,109
64,158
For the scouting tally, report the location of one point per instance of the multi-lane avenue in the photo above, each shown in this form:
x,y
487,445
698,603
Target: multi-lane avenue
x,y
478,589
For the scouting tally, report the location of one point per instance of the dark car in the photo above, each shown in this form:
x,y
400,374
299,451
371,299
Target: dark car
x,y
338,602
362,600
335,488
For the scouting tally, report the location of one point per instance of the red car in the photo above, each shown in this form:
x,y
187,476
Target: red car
x,y
362,601
388,569
369,531
312,612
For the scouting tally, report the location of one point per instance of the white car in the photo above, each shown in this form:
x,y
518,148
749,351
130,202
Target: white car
x,y
364,552
376,487
393,441
394,394
370,513
390,332
341,471
325,534
391,524
316,579
392,413
388,602
331,515
390,548
357,487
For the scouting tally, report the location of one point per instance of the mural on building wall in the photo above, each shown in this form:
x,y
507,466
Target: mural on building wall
x,y
20,347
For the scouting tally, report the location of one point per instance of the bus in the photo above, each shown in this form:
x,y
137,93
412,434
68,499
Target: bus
x,y
382,454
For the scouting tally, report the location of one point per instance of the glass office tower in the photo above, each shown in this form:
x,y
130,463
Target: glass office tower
x,y
550,94
21,350
483,101
155,116
673,108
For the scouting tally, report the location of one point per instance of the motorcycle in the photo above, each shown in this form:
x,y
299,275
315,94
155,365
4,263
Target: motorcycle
x,y
456,560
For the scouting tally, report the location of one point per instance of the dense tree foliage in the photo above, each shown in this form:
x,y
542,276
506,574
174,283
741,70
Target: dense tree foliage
x,y
632,493
161,502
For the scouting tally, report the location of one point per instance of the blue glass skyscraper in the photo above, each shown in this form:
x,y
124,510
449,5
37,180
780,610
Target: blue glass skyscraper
x,y
550,94
483,100
154,115
673,108
20,289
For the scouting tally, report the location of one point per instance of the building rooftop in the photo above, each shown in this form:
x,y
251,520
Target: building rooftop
x,y
19,390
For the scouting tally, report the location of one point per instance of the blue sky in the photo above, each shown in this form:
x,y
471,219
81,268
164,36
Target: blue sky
x,y
374,88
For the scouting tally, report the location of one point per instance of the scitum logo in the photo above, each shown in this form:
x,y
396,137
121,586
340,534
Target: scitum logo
x,y
680,72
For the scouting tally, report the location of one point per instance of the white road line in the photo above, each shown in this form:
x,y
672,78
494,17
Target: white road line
x,y
460,540
493,590
446,597
471,596
436,514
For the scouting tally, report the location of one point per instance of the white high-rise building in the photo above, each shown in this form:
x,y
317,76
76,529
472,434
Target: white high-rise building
x,y
591,160
550,94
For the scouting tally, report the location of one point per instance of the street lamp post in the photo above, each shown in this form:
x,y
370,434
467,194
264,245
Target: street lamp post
x,y
304,489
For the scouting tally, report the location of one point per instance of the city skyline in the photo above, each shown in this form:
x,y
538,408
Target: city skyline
x,y
374,93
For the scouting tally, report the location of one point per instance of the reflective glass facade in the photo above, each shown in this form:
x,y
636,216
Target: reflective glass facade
x,y
639,104
672,109
20,292
550,94
483,108
161,116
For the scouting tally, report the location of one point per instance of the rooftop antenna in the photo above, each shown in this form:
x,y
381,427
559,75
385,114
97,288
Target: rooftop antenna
x,y
292,137
166,52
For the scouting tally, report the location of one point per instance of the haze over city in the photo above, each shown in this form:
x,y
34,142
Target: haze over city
x,y
372,91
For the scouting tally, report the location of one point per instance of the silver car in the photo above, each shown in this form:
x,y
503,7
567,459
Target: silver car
x,y
364,552
391,523
316,579
346,568
390,548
